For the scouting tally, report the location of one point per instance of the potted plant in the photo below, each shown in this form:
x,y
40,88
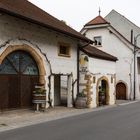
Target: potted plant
x,y
101,95
39,96
39,93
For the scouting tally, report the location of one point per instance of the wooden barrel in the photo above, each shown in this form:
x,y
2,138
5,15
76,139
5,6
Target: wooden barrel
x,y
81,102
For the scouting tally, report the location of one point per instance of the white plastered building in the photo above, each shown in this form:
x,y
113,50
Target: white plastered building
x,y
36,48
108,38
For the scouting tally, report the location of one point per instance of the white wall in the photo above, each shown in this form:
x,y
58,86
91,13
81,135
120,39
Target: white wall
x,y
100,68
114,46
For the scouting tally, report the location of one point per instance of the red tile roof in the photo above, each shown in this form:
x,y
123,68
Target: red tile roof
x,y
96,53
29,12
96,21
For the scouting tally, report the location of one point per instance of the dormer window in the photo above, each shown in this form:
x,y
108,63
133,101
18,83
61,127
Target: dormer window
x,y
98,41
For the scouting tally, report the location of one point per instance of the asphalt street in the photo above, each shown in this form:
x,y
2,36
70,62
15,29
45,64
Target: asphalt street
x,y
117,123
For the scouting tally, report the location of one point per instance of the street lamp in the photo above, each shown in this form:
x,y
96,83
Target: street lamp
x,y
135,45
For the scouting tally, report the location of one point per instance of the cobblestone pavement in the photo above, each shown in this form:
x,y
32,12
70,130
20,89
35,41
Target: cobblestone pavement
x,y
20,118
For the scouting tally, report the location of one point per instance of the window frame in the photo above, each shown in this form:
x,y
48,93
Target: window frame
x,y
98,45
68,47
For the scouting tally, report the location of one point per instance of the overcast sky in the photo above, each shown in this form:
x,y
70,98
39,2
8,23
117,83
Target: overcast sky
x,y
78,12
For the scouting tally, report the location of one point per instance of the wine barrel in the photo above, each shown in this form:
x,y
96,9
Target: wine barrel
x,y
81,102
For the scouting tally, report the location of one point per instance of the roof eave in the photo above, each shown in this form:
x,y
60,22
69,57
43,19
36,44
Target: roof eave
x,y
96,26
44,25
99,57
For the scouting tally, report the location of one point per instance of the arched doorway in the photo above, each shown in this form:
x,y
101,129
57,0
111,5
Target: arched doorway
x,y
19,74
121,91
102,91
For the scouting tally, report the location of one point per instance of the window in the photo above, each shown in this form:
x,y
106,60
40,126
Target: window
x,y
98,40
64,50
19,62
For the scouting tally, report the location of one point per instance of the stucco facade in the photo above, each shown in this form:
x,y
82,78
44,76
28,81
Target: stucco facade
x,y
103,70
42,44
115,44
92,73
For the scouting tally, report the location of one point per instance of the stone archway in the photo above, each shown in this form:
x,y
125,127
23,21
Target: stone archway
x,y
121,91
104,81
20,70
32,52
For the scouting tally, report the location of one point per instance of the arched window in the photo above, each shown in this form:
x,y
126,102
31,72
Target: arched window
x,y
19,62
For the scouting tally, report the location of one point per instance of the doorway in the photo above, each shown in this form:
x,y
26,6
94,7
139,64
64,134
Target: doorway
x,y
18,76
60,90
121,91
102,91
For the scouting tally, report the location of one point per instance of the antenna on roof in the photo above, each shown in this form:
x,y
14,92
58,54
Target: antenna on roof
x,y
99,11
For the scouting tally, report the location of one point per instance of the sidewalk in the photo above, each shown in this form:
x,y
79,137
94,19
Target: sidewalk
x,y
16,119
20,118
125,102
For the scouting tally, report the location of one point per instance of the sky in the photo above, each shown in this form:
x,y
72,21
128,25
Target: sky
x,y
76,13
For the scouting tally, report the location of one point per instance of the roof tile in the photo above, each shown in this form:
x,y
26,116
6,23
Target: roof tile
x,y
96,21
27,11
96,53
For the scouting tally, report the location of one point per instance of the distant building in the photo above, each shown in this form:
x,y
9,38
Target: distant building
x,y
112,35
123,25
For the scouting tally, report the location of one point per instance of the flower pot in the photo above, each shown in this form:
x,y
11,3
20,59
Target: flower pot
x,y
39,98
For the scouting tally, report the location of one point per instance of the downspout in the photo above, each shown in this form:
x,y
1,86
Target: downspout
x,y
73,84
131,36
134,70
78,53
134,65
135,46
135,50
49,93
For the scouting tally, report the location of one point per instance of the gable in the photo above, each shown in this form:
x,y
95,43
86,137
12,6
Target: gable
x,y
123,25
91,32
112,42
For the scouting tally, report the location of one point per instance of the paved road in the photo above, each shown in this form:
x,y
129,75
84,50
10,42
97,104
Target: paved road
x,y
118,123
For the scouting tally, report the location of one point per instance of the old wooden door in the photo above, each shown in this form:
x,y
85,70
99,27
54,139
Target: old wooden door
x,y
18,76
121,91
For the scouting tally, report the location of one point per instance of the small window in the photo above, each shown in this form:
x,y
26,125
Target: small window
x,y
64,50
98,41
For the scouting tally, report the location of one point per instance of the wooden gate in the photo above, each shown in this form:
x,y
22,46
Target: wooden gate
x,y
18,77
121,91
